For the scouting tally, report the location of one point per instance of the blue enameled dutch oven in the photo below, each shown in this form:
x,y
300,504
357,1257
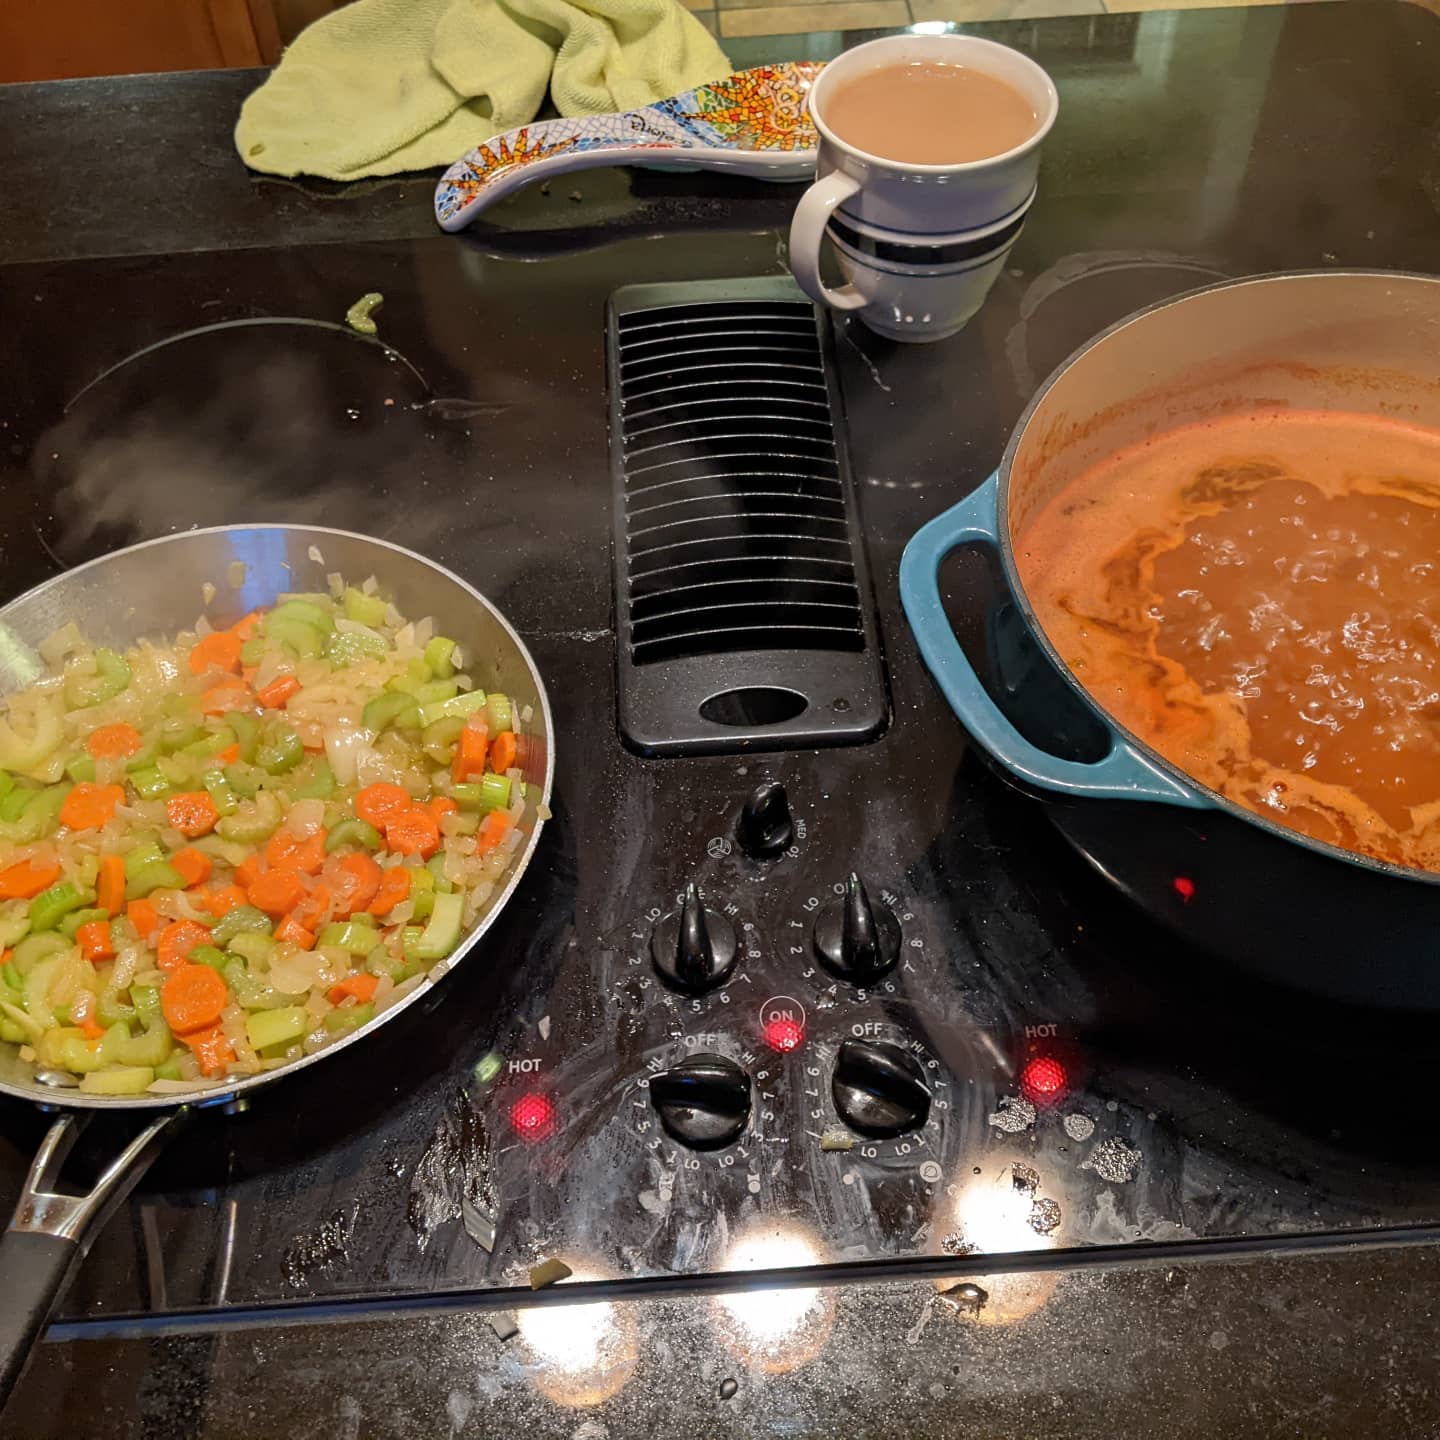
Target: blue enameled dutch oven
x,y
1301,911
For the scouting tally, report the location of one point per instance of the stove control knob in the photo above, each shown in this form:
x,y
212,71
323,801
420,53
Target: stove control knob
x,y
855,938
879,1089
694,948
765,828
703,1102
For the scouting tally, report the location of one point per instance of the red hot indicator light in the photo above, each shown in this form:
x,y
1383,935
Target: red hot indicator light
x,y
783,1034
532,1117
1042,1080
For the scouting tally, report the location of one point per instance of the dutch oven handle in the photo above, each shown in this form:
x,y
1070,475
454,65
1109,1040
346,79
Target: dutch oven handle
x,y
1123,774
50,1231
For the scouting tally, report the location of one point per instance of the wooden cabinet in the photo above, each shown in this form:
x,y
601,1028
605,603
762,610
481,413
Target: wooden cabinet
x,y
61,39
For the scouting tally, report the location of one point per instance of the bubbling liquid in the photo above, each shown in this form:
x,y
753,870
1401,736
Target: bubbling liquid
x,y
1265,613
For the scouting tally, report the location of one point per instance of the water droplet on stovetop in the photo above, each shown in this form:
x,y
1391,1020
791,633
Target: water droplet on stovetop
x,y
1013,1115
1115,1160
1079,1127
1024,1178
728,1389
1044,1216
966,1298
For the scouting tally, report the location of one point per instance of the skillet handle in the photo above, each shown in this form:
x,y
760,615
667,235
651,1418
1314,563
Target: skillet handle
x,y
1123,774
50,1232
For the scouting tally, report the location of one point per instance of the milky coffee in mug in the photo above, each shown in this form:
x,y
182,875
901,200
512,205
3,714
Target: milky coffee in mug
x,y
929,147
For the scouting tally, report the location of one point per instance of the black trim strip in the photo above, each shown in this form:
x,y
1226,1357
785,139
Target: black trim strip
x,y
918,254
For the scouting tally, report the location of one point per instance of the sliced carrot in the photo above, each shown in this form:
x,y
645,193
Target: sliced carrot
x,y
143,915
470,752
294,933
192,998
91,1029
27,878
274,695
357,879
441,806
113,740
375,804
413,832
248,870
277,892
95,942
209,1046
219,650
6,956
502,752
193,865
394,887
245,626
90,807
313,910
228,756
177,940
284,851
222,901
232,695
362,987
192,812
493,829
110,884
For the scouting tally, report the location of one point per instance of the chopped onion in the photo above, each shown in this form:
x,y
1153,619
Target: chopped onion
x,y
235,573
424,630
207,592
67,640
369,585
202,625
181,1087
344,746
395,996
335,583
305,818
314,553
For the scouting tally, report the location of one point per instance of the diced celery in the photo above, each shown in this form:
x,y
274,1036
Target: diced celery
x,y
350,1017
381,962
80,767
252,652
120,1080
170,1070
146,1000
247,732
34,948
41,814
498,713
143,758
442,734
314,780
112,675
245,779
51,906
436,866
152,1047
157,875
212,743
14,922
393,707
180,771
251,945
209,955
436,692
277,1027
12,807
220,791
143,853
438,656
442,933
345,647
9,1030
68,1048
353,832
460,705
492,792
280,749
76,918
349,936
7,783
363,609
303,640
255,820
242,919
149,783
301,612
178,732
112,1010
422,892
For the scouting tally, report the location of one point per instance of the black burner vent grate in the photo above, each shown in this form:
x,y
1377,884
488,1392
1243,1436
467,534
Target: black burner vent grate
x,y
734,518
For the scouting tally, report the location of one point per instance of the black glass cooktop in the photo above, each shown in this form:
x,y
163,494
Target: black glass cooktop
x,y
1091,1080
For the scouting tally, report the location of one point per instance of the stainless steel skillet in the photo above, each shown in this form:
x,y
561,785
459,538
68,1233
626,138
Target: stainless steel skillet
x,y
155,589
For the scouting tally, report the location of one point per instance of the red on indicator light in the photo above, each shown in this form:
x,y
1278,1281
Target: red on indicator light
x,y
1042,1079
532,1117
1184,887
783,1034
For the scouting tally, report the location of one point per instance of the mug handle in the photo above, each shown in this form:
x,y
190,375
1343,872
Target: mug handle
x,y
807,231
1123,774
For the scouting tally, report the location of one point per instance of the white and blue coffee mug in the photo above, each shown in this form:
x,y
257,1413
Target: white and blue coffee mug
x,y
919,245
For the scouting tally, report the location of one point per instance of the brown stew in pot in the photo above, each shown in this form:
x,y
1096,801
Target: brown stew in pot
x,y
1258,599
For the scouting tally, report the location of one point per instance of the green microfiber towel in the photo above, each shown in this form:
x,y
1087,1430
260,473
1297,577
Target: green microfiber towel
x,y
382,86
